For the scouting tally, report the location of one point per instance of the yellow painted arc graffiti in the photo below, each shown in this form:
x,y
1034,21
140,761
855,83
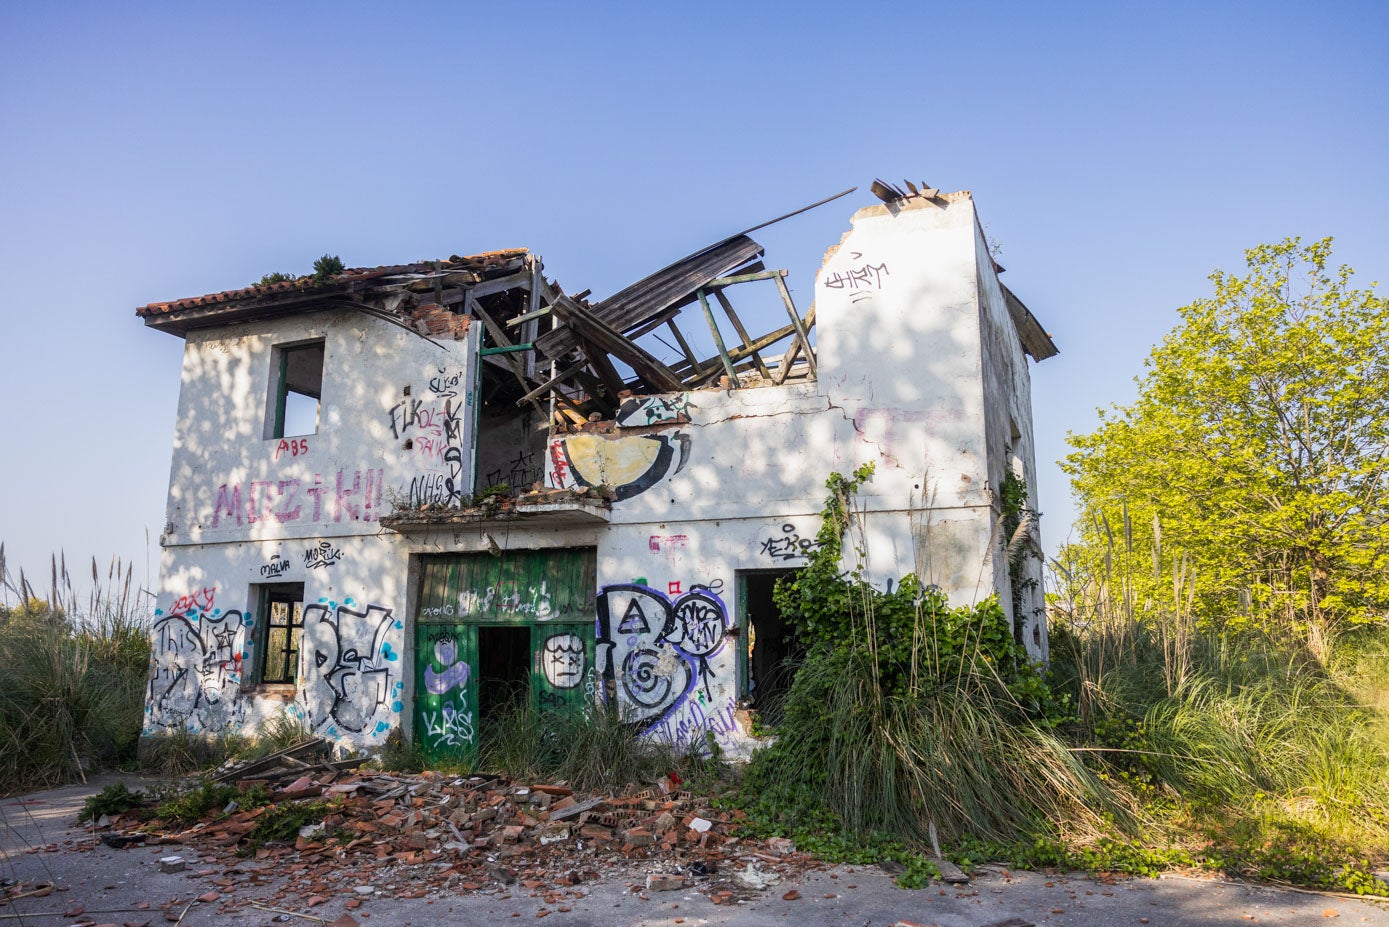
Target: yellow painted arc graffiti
x,y
603,461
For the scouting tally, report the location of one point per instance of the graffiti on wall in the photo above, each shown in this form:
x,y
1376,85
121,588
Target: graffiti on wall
x,y
352,495
291,448
324,554
197,657
275,566
519,473
562,661
630,465
451,726
654,410
508,599
787,544
657,651
864,276
432,427
347,660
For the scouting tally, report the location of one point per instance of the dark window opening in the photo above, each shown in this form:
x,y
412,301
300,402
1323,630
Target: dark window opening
x,y
281,632
504,666
772,653
298,389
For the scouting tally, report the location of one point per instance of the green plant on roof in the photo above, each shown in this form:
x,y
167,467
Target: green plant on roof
x,y
276,277
326,267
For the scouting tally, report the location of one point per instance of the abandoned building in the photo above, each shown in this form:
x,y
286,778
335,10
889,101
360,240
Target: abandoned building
x,y
404,497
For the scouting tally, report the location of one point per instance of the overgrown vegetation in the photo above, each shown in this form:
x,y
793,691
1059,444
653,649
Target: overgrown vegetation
x,y
592,748
1220,623
113,799
910,718
326,268
72,675
1258,447
1153,743
210,800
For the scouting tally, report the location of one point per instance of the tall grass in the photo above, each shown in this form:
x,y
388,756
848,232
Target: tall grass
x,y
1247,738
952,760
590,747
72,675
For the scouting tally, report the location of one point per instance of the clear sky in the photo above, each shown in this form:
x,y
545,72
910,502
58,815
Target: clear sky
x,y
1117,151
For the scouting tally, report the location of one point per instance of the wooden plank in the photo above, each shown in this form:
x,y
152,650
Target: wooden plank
x,y
498,284
718,340
802,332
554,381
603,366
526,317
738,354
673,285
595,330
746,278
742,332
513,363
789,357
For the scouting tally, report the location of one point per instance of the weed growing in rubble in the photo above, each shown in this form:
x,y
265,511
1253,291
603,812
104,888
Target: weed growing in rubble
x,y
113,799
179,752
210,799
283,821
398,756
592,748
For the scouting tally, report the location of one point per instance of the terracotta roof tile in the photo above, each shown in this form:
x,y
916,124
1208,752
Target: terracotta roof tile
x,y
476,262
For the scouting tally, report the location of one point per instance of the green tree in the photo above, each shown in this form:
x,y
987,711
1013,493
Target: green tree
x,y
1248,480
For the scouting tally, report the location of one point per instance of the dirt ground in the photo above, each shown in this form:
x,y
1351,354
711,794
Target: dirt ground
x,y
94,883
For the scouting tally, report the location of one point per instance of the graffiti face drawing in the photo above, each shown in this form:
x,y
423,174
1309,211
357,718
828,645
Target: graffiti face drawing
x,y
562,661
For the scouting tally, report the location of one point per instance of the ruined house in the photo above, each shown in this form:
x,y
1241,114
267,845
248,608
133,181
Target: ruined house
x,y
406,496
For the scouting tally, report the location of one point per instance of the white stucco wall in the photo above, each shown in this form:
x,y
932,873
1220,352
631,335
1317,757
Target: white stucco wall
x,y
246,510
229,480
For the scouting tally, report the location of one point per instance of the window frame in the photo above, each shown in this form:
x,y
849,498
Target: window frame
x,y
290,595
280,386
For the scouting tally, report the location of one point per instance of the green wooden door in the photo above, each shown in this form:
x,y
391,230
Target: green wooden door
x,y
446,697
550,592
562,672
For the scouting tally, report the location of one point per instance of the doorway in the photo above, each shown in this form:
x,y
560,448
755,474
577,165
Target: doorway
x,y
504,671
771,651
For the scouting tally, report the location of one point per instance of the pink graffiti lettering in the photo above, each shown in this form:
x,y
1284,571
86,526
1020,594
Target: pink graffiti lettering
x,y
356,496
228,503
197,601
284,513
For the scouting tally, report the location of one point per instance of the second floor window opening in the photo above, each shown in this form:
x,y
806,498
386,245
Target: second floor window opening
x,y
298,389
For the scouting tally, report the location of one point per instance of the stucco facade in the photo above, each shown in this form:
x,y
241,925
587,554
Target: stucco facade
x,y
648,583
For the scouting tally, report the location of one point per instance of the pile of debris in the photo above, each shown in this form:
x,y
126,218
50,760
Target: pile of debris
x,y
409,835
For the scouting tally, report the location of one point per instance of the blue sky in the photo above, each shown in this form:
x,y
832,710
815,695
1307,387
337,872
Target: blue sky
x,y
1118,152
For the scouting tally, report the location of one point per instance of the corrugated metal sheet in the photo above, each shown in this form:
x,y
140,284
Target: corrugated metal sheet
x,y
649,297
1035,340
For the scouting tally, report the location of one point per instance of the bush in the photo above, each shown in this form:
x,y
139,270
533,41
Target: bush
x,y
913,718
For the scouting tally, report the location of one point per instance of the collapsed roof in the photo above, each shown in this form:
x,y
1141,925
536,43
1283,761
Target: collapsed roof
x,y
540,343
